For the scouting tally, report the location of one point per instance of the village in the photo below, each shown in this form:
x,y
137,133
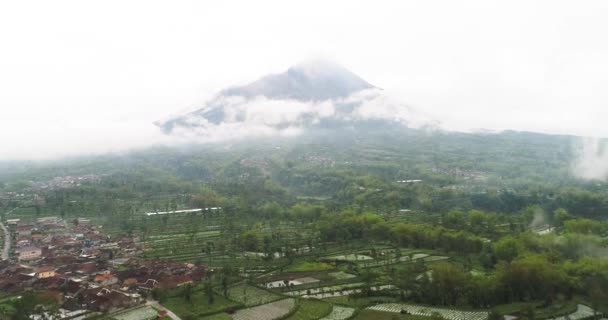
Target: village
x,y
84,271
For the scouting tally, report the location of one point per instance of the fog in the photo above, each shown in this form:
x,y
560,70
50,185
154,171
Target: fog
x,y
592,161
86,78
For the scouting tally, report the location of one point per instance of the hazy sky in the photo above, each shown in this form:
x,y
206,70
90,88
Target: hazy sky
x,y
83,76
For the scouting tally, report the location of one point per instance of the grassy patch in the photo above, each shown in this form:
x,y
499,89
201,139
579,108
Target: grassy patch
x,y
311,309
309,266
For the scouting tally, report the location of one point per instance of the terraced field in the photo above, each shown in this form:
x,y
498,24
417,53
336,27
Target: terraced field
x,y
348,257
267,311
144,313
341,275
324,289
450,314
191,237
348,292
250,295
339,313
582,312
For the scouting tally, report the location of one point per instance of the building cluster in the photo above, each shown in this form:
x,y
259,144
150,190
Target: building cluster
x,y
34,193
84,269
66,182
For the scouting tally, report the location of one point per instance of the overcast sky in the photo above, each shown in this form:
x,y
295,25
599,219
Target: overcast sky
x,y
83,76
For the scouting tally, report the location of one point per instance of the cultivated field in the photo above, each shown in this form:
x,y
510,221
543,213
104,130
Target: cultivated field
x,y
267,311
250,295
449,314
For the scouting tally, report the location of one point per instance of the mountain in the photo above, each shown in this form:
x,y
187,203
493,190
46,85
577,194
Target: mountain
x,y
313,94
314,80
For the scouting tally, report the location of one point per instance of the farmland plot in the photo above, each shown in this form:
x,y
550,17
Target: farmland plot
x,y
250,295
145,313
267,311
450,314
581,312
435,258
414,256
340,293
341,275
311,310
324,289
339,313
349,257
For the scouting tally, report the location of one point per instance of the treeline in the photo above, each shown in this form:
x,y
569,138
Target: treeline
x,y
368,226
527,267
530,277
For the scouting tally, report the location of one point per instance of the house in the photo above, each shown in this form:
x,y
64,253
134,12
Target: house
x,y
129,282
28,253
49,283
45,272
149,284
106,279
105,300
37,237
176,281
24,230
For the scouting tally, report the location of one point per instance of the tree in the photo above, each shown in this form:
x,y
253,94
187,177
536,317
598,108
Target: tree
x,y
209,292
250,240
187,293
225,285
449,284
507,249
24,306
530,313
159,295
494,315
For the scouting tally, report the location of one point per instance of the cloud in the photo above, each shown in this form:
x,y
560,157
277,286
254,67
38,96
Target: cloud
x,y
378,105
236,117
41,139
592,161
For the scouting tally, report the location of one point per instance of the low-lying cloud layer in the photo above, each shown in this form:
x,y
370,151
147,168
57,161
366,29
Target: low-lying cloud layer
x,y
242,117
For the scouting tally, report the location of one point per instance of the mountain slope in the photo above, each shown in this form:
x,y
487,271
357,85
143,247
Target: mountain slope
x,y
314,80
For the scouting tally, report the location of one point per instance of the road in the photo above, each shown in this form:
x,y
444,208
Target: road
x,y
7,238
7,242
154,304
